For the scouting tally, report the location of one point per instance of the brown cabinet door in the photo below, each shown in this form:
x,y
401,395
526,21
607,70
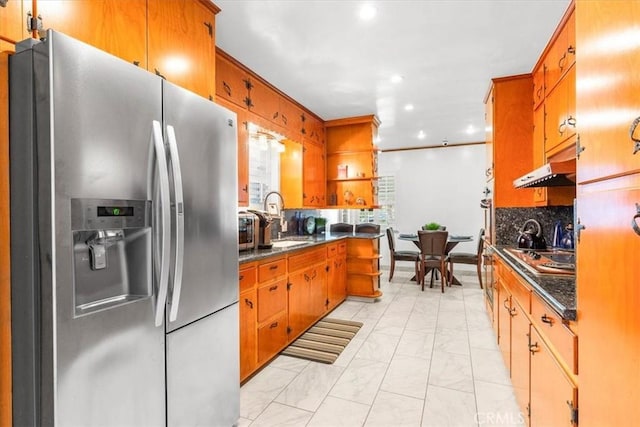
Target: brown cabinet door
x,y
608,299
300,306
291,117
248,333
337,280
272,299
504,322
488,117
115,26
314,184
182,44
12,21
291,174
231,82
553,395
607,111
538,85
264,101
243,158
520,354
272,337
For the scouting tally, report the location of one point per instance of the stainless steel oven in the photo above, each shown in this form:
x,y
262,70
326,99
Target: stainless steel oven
x,y
248,228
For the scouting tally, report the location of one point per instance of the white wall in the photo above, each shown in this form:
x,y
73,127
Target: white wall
x,y
442,185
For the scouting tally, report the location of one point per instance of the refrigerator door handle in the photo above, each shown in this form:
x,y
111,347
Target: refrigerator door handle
x,y
174,302
157,146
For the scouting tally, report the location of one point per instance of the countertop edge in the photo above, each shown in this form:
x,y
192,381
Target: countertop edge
x,y
312,240
566,311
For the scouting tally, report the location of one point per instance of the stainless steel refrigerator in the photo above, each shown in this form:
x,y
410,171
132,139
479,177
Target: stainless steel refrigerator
x,y
124,244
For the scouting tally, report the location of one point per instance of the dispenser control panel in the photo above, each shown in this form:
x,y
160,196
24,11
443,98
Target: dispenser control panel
x,y
98,214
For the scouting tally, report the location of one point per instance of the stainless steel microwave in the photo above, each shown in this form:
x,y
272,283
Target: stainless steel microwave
x,y
248,227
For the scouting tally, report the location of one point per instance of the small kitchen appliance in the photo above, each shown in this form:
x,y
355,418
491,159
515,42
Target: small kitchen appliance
x,y
248,230
530,236
264,229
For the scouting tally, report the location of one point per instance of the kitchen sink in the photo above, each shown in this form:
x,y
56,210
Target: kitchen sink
x,y
288,243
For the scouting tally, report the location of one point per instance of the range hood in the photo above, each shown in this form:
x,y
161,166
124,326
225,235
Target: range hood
x,y
552,174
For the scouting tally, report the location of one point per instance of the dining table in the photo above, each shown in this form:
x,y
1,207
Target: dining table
x,y
452,242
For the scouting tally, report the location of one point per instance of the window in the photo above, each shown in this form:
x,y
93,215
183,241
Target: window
x,y
264,166
384,215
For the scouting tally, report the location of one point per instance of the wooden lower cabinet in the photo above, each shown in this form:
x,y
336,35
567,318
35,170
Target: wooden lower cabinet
x,y
272,337
540,354
248,333
337,274
553,394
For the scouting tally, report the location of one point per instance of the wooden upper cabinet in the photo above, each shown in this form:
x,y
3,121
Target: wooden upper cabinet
x,y
313,176
606,112
182,43
314,130
488,117
291,117
291,174
512,138
562,52
231,81
263,100
538,85
12,21
115,26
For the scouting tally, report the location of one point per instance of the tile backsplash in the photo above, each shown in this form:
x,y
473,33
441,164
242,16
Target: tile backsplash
x,y
509,220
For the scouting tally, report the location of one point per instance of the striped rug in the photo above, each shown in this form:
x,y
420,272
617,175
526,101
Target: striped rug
x,y
324,341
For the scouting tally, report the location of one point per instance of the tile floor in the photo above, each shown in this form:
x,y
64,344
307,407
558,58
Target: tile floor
x,y
420,359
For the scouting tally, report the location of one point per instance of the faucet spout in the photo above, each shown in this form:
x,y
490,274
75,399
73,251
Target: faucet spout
x,y
279,209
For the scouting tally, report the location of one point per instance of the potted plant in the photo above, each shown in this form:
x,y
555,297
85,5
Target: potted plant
x,y
433,226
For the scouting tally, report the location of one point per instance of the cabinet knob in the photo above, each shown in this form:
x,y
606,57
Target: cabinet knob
x,y
248,302
534,348
546,319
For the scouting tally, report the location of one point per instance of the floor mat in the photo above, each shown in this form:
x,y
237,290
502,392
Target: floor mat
x,y
324,341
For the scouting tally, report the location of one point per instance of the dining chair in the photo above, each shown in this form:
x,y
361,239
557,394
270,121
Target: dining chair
x,y
469,258
341,227
367,227
433,255
413,256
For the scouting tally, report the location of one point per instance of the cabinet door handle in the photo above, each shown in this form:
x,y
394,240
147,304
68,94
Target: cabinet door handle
x,y
273,267
226,88
571,121
634,221
546,319
241,277
306,278
273,288
158,74
273,325
539,92
534,348
284,119
632,129
571,50
248,302
561,61
562,127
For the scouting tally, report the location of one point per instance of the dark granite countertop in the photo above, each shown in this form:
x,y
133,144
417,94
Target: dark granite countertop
x,y
305,242
557,291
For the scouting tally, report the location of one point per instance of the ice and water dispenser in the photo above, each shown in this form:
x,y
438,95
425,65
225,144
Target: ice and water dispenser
x,y
112,253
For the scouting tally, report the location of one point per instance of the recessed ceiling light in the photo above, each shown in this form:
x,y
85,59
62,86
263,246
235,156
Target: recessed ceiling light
x,y
367,12
396,78
422,135
408,107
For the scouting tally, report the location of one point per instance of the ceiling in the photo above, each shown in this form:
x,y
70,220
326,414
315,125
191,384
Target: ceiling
x,y
320,53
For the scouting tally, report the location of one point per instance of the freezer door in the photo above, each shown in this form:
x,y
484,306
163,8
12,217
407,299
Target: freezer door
x,y
203,370
104,366
205,137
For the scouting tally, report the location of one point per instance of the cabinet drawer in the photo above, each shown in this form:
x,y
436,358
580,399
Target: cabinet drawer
x,y
247,277
272,337
307,258
271,270
272,298
550,325
518,290
342,247
332,250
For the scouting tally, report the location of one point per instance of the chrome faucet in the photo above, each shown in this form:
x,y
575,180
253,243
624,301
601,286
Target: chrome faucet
x,y
283,222
278,209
